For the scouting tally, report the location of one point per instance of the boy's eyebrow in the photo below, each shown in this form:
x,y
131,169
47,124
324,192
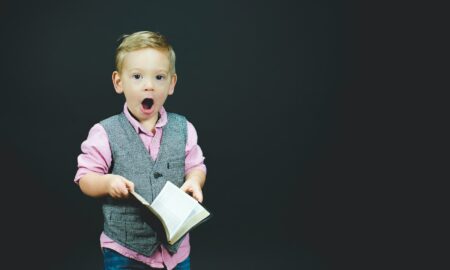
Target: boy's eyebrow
x,y
156,70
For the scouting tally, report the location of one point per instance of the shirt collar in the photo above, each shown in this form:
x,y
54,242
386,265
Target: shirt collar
x,y
162,121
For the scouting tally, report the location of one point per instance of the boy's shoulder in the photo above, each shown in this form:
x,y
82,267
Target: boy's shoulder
x,y
111,120
176,121
116,119
175,116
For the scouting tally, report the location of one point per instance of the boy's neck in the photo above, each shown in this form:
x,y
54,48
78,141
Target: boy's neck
x,y
149,124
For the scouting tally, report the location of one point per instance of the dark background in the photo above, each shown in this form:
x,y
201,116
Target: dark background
x,y
303,110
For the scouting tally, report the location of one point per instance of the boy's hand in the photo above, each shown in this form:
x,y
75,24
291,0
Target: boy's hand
x,y
119,187
193,188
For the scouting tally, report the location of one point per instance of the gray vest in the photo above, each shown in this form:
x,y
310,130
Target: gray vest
x,y
124,219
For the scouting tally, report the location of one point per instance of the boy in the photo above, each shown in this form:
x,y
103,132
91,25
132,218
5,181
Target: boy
x,y
140,149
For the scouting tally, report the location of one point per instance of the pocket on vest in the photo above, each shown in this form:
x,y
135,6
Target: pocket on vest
x,y
174,164
140,231
123,214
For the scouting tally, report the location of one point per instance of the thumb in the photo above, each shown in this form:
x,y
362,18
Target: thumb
x,y
129,184
197,194
184,187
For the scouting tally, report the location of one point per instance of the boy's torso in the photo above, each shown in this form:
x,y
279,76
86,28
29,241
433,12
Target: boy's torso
x,y
123,221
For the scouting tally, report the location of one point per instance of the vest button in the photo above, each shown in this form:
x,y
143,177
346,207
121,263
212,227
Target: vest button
x,y
157,175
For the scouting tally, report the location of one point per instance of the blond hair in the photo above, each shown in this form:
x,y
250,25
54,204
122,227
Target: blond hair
x,y
143,40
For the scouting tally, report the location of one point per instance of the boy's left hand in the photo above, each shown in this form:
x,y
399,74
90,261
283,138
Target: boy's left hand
x,y
193,188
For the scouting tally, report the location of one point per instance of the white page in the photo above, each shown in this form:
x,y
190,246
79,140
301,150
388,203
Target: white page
x,y
197,214
174,206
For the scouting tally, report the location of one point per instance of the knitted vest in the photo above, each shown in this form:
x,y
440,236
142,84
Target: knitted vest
x,y
124,220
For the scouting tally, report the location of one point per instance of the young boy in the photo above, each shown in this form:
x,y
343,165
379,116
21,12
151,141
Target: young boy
x,y
140,149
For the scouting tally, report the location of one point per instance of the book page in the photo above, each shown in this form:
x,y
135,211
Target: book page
x,y
174,206
198,214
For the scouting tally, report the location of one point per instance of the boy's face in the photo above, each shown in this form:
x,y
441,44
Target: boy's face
x,y
146,82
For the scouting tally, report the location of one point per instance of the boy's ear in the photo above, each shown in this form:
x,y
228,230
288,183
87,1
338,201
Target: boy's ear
x,y
173,82
117,82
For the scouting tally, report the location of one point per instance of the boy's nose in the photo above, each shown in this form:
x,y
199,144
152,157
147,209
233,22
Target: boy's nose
x,y
148,86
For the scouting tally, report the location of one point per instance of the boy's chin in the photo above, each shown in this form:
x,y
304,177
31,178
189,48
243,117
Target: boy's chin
x,y
148,114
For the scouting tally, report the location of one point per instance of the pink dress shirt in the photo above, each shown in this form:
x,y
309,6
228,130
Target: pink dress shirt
x,y
96,157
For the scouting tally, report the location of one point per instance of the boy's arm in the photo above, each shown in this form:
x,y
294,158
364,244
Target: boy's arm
x,y
194,182
195,169
93,165
98,185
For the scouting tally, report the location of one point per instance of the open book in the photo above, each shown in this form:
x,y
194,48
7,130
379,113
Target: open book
x,y
177,211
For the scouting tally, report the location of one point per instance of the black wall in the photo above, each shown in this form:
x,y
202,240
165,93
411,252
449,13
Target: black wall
x,y
292,102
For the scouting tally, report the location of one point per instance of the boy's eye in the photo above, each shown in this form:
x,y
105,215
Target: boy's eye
x,y
137,76
159,77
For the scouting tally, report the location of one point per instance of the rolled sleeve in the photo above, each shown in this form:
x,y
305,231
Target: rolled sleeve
x,y
95,153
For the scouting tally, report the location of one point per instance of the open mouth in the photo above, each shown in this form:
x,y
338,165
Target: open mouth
x,y
147,103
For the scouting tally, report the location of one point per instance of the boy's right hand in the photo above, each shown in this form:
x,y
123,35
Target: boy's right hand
x,y
119,187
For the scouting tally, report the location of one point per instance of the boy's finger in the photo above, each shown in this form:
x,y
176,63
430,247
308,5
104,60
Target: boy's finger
x,y
129,185
124,191
198,196
184,188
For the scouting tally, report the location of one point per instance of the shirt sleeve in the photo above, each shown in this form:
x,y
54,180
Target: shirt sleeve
x,y
194,155
95,153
